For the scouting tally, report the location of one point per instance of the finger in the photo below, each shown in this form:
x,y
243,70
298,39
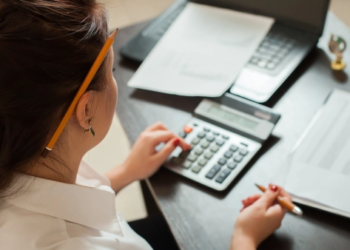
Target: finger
x,y
269,197
156,126
285,195
276,212
164,153
250,200
164,136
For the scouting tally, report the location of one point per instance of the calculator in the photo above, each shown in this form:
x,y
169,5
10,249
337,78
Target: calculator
x,y
225,134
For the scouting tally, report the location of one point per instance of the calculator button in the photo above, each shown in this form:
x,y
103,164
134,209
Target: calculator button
x,y
195,141
184,154
196,169
202,162
210,138
214,148
206,129
192,158
223,175
232,165
243,152
220,142
228,154
225,137
182,134
195,124
234,148
222,161
198,151
213,171
205,144
216,133
187,129
201,135
238,158
187,164
176,160
208,155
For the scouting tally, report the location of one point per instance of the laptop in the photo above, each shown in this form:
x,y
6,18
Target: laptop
x,y
298,26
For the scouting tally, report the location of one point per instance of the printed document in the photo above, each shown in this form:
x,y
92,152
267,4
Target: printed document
x,y
318,169
202,52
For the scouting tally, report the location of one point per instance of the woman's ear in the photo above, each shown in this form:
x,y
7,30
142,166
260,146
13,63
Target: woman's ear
x,y
83,110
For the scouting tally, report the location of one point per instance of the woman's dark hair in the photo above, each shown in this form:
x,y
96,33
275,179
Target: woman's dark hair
x,y
46,49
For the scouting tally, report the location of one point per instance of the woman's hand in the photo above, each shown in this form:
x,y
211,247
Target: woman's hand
x,y
259,218
144,160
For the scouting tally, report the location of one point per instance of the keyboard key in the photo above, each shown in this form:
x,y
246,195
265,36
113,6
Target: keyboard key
x,y
228,154
210,138
225,137
262,64
222,161
243,152
232,165
192,157
205,144
198,151
206,129
202,162
213,171
234,148
187,129
220,142
208,155
195,141
271,65
196,169
214,148
223,175
254,60
201,135
187,164
238,158
216,133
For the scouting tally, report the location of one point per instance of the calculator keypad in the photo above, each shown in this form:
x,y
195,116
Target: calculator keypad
x,y
215,154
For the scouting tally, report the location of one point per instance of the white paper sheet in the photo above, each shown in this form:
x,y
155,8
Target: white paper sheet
x,y
318,169
202,52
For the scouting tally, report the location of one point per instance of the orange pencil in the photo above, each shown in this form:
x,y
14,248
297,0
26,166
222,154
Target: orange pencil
x,y
94,68
286,204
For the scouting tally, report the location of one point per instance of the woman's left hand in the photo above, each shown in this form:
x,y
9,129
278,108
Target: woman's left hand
x,y
144,160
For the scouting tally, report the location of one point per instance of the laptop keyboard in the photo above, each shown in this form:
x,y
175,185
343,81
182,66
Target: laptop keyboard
x,y
272,50
270,53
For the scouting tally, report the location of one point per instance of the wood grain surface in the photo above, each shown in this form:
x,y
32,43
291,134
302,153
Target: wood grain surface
x,y
203,219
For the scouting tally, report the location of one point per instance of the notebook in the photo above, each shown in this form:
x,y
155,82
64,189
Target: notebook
x,y
317,171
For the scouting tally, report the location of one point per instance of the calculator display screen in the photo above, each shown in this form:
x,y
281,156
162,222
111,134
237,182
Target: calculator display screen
x,y
232,118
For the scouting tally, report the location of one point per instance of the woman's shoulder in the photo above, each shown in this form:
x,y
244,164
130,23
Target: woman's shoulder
x,y
23,229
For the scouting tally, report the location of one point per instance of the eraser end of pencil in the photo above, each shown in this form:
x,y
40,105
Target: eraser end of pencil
x,y
297,211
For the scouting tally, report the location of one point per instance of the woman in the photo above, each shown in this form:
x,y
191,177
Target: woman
x,y
58,202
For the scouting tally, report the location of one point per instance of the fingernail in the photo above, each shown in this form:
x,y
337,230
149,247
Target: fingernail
x,y
176,142
273,188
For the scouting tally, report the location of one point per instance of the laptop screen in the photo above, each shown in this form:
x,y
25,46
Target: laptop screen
x,y
308,15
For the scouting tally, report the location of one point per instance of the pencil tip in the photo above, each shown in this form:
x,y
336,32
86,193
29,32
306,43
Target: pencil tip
x,y
257,185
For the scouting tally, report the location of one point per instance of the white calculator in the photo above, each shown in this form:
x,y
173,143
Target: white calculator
x,y
225,135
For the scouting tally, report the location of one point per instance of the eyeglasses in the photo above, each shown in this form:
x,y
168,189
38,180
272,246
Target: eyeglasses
x,y
92,72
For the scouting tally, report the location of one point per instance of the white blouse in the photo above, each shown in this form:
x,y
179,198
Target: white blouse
x,y
52,215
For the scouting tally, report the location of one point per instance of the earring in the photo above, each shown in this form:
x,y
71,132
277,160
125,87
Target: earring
x,y
90,129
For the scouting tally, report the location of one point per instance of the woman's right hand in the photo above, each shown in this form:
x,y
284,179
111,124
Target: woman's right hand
x,y
259,218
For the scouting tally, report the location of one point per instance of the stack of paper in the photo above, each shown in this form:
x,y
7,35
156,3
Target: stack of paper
x,y
202,52
317,172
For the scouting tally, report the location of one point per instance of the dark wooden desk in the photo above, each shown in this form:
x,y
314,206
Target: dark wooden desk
x,y
203,219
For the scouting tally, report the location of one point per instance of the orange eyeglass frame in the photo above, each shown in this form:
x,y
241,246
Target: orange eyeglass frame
x,y
92,72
